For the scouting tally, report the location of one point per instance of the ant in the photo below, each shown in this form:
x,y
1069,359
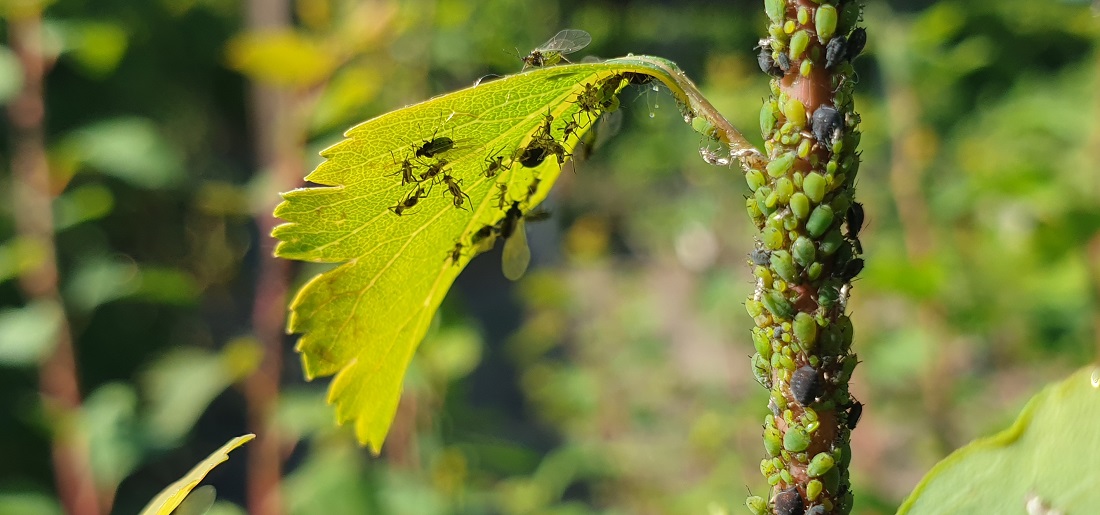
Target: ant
x,y
409,201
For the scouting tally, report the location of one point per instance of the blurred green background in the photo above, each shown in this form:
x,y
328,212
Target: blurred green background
x,y
614,378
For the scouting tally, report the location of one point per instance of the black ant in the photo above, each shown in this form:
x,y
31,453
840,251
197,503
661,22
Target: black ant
x,y
410,200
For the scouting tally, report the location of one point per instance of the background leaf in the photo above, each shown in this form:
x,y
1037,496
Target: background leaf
x,y
1024,466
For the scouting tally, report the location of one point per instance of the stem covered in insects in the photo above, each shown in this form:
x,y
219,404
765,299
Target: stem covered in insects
x,y
807,254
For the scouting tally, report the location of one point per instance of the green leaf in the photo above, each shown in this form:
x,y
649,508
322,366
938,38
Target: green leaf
x,y
363,320
1045,463
171,497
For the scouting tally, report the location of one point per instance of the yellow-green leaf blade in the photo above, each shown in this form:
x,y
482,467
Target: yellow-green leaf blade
x,y
363,320
171,497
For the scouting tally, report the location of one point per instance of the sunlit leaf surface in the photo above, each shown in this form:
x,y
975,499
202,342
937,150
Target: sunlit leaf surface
x,y
411,196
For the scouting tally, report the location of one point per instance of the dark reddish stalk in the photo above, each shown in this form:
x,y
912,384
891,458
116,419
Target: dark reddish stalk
x,y
33,214
278,149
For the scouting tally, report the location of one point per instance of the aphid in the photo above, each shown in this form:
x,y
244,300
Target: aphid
x,y
516,255
760,257
433,170
533,187
852,269
409,201
765,60
789,502
856,41
854,220
835,51
827,125
435,146
502,197
456,253
784,62
455,190
484,232
556,48
854,412
806,385
570,127
408,176
762,371
495,165
533,155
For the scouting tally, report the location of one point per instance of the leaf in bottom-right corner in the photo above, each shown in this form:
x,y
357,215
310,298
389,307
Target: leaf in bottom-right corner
x,y
1046,463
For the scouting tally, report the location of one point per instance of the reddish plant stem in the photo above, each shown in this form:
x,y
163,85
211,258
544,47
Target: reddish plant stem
x,y
278,150
33,214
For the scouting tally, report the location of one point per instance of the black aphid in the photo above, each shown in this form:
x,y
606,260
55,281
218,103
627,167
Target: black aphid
x,y
827,125
806,385
760,257
854,219
852,269
435,146
854,412
835,52
789,502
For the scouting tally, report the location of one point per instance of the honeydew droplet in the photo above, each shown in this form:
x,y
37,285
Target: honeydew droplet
x,y
1096,378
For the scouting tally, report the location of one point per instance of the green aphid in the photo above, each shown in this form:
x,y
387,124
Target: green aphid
x,y
821,464
775,9
555,49
805,69
767,119
761,369
779,166
753,209
805,329
786,475
796,440
812,427
761,342
814,271
825,22
804,251
774,479
772,238
767,467
814,187
795,111
773,441
757,505
784,266
784,188
821,218
803,15
754,308
799,42
827,296
831,243
755,179
785,362
813,489
800,205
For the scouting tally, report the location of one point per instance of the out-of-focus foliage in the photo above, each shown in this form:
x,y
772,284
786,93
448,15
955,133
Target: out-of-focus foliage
x,y
614,378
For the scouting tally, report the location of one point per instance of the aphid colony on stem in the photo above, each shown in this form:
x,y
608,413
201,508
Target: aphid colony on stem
x,y
808,253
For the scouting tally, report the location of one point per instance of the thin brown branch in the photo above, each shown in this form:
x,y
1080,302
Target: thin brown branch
x,y
32,201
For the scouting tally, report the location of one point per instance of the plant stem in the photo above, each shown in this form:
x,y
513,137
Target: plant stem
x,y
278,149
807,254
33,213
